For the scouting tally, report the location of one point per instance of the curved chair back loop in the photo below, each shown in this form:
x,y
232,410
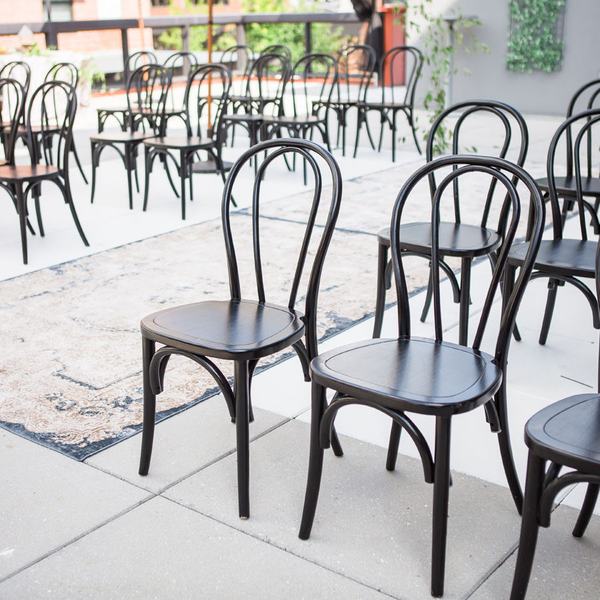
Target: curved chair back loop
x,y
315,156
141,59
356,65
239,59
508,175
266,83
405,59
52,111
147,91
205,98
280,49
516,143
592,88
183,59
21,72
63,71
585,122
313,79
11,110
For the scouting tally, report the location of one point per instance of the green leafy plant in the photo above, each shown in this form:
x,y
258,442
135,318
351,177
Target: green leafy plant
x,y
325,37
421,21
534,41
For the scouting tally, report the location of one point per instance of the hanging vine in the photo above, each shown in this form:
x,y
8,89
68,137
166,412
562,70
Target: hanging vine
x,y
535,40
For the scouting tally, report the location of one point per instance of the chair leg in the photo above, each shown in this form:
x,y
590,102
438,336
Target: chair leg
x,y
360,117
148,349
21,209
529,526
77,161
441,494
392,455
38,209
242,394
587,510
129,167
94,165
411,122
147,170
315,463
382,261
183,172
550,302
465,298
66,190
394,113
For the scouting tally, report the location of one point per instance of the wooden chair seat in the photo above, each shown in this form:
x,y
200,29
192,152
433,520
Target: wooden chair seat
x,y
235,329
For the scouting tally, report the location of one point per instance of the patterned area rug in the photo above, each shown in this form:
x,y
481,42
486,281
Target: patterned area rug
x,y
71,372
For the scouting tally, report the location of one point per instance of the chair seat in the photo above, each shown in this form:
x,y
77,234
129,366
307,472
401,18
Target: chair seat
x,y
28,172
417,375
564,257
235,330
179,142
243,117
298,120
565,186
122,136
383,105
568,433
456,239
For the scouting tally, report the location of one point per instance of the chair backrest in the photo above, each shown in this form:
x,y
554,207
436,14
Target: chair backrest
x,y
505,136
140,59
147,91
406,61
313,79
580,126
281,49
21,72
266,82
206,96
239,59
63,71
584,98
12,106
312,239
181,60
51,111
356,65
449,169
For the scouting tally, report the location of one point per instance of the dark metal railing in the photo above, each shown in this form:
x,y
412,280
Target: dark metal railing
x,y
51,29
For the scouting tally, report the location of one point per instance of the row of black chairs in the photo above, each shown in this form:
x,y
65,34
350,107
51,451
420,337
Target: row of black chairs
x,y
48,118
407,374
319,84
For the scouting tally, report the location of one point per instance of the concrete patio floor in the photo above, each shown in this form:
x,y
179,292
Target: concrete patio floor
x,y
98,530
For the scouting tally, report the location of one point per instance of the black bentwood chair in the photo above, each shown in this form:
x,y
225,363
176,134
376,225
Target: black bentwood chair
x,y
410,60
429,376
566,434
146,97
68,73
312,82
205,100
14,178
246,328
583,99
506,130
356,65
187,63
566,260
121,113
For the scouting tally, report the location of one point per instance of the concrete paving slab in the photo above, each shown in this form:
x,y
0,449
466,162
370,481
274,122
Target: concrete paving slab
x,y
47,500
565,568
371,526
163,550
183,444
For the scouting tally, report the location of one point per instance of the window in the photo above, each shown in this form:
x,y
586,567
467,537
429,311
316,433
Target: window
x,y
60,10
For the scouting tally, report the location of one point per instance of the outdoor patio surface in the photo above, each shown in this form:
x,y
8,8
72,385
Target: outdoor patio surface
x,y
96,529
